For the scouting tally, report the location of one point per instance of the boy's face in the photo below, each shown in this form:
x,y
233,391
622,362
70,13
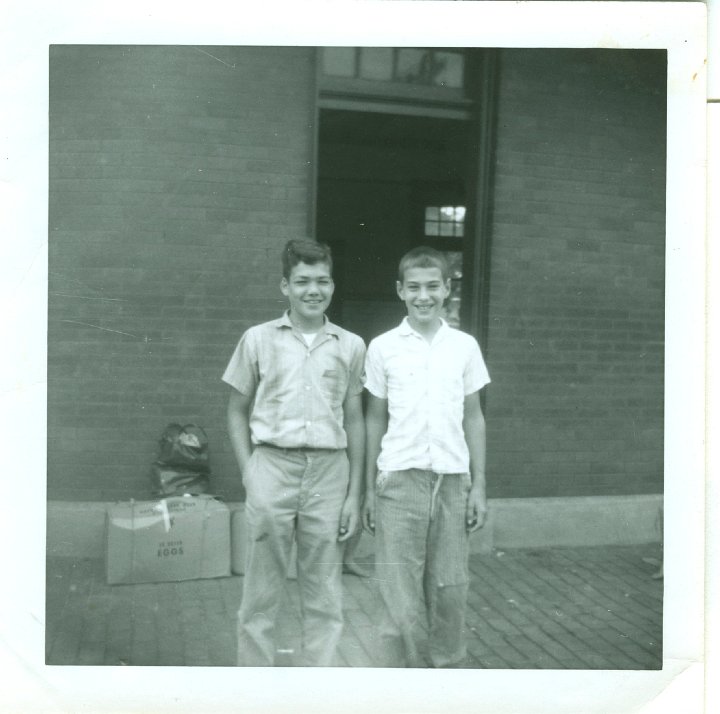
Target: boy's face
x,y
424,293
309,290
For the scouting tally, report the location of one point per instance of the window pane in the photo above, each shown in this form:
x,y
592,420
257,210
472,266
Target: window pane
x,y
432,213
447,213
411,65
455,261
452,306
339,61
432,228
449,69
446,229
459,230
459,213
376,63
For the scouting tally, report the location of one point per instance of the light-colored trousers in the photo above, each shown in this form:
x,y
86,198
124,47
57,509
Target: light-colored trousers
x,y
421,562
293,493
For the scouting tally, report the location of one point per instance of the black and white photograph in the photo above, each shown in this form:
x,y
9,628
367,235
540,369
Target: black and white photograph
x,y
373,354
177,177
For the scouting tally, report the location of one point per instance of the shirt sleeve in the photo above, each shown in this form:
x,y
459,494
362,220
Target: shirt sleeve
x,y
476,375
242,371
375,381
357,368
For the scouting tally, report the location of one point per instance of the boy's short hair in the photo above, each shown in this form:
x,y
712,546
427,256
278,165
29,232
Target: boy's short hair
x,y
423,257
304,251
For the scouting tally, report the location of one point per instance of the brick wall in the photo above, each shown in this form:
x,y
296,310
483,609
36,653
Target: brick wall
x,y
575,343
176,175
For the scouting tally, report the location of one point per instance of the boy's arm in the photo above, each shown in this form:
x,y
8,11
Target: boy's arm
x,y
238,415
355,430
376,423
474,428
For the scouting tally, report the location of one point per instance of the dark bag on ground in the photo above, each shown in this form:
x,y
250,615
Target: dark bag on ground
x,y
183,462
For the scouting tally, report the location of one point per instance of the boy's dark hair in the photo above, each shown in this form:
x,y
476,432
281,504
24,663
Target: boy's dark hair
x,y
304,251
423,257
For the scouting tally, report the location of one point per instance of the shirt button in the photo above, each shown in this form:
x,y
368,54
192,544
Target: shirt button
x,y
307,386
308,423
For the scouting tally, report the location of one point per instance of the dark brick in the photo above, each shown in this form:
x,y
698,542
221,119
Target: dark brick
x,y
171,194
577,271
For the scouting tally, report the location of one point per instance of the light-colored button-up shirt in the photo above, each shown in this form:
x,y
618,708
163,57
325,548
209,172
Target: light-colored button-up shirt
x,y
425,385
298,389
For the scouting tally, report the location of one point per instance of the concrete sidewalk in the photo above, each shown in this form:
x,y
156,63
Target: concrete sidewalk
x,y
550,608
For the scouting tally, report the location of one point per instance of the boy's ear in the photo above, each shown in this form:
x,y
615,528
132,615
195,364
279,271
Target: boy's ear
x,y
399,287
284,286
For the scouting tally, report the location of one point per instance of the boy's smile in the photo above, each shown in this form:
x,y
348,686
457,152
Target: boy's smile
x,y
424,293
309,290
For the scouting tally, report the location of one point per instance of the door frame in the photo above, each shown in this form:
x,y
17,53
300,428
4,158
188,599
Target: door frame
x,y
483,69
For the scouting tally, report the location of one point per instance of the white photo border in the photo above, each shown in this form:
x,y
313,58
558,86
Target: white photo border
x,y
677,27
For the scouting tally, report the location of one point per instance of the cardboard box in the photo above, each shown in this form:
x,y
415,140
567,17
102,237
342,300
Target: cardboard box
x,y
239,546
171,539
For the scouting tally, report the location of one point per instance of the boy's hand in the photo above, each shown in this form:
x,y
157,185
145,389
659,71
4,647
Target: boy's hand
x,y
368,513
349,519
476,510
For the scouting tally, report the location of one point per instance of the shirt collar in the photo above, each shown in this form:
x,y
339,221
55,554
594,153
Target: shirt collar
x,y
328,327
406,329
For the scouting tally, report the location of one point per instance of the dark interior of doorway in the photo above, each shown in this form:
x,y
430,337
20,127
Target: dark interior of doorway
x,y
377,173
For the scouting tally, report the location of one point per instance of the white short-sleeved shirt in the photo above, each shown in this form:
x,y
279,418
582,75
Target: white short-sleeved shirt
x,y
425,385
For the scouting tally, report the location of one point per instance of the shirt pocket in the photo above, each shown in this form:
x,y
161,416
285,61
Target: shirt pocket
x,y
334,382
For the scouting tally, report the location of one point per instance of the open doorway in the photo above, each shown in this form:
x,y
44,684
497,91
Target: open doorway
x,y
388,182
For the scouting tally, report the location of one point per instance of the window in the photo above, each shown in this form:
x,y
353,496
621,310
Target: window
x,y
452,304
411,81
339,61
445,221
444,229
441,69
418,66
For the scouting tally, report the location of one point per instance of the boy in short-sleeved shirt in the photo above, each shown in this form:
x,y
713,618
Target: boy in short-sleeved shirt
x,y
296,426
425,467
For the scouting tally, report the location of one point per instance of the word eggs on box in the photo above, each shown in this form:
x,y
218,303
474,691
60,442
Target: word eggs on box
x,y
177,538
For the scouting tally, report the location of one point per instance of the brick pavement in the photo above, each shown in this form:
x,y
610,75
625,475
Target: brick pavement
x,y
558,608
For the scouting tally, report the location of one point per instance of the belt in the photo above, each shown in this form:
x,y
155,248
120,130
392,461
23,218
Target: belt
x,y
294,448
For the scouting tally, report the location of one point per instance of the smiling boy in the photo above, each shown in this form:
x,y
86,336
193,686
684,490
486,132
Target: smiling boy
x,y
425,467
296,426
